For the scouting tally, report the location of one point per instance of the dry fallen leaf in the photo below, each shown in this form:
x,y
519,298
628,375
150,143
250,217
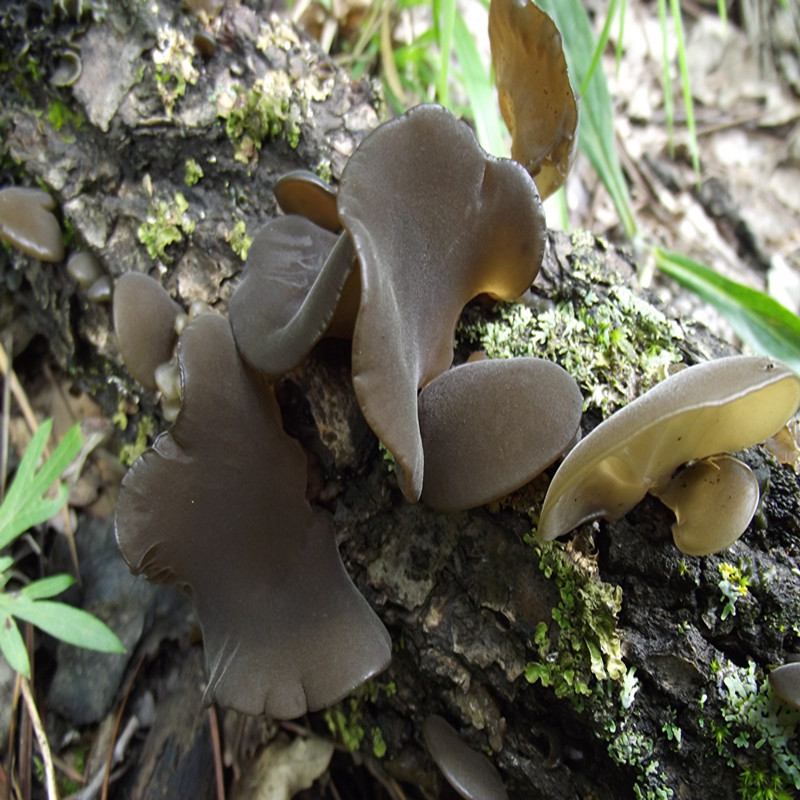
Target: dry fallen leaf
x,y
536,99
284,769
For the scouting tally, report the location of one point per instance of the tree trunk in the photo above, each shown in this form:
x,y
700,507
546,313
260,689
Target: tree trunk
x,y
647,670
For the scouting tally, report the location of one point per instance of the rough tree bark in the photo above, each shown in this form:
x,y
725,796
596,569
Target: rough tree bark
x,y
469,600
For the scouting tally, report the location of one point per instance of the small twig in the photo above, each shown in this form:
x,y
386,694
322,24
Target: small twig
x,y
113,753
98,780
41,738
17,391
213,724
4,434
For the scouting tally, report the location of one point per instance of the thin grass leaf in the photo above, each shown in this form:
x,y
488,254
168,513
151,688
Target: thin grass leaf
x,y
722,10
71,625
596,135
688,102
47,587
24,506
13,646
601,45
666,77
623,11
477,81
758,319
445,14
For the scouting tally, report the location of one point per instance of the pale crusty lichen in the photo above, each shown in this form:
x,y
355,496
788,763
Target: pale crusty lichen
x,y
612,342
173,56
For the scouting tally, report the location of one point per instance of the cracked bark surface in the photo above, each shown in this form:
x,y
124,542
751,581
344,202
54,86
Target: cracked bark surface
x,y
463,594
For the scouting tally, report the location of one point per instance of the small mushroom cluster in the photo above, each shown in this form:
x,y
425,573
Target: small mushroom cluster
x,y
696,417
217,506
27,222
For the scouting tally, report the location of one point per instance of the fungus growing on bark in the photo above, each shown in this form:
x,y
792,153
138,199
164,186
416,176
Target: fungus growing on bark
x,y
533,89
713,500
26,222
144,321
785,682
217,507
710,409
469,772
84,268
291,285
488,427
306,194
435,221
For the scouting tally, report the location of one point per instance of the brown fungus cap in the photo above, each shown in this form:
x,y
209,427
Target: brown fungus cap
x,y
713,408
785,682
26,222
435,222
144,321
713,500
533,89
305,193
291,285
469,772
217,507
488,427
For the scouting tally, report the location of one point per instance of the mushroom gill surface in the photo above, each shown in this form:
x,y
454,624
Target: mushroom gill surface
x,y
144,321
533,89
26,222
435,221
217,507
291,285
488,427
713,500
469,772
713,408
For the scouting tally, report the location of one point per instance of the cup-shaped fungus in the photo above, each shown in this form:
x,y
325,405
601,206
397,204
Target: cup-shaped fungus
x,y
305,193
710,409
144,321
217,506
26,222
469,772
533,89
785,682
291,285
488,427
435,222
713,500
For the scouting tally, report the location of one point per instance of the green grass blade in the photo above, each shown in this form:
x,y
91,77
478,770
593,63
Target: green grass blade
x,y
47,587
24,505
596,134
479,88
445,11
13,647
666,79
688,102
71,625
758,319
601,46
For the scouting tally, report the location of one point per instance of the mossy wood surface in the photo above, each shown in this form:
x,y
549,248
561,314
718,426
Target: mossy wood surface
x,y
609,667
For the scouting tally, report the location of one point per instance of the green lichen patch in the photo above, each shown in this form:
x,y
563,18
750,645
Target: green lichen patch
x,y
348,721
128,453
582,644
756,723
238,239
192,172
616,346
173,58
272,108
166,224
